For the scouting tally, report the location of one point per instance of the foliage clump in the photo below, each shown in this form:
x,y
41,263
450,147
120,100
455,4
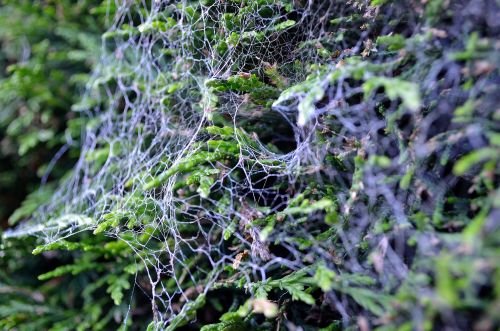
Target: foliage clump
x,y
279,164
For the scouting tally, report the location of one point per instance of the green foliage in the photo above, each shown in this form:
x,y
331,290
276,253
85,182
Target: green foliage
x,y
251,165
395,88
46,52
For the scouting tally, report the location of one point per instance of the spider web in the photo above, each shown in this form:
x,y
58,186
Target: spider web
x,y
198,156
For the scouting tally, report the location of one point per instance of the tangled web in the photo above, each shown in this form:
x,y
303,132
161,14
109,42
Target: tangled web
x,y
299,152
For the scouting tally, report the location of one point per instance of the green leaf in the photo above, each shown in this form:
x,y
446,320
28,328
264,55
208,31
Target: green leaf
x,y
377,303
152,26
306,106
445,283
229,230
393,42
324,277
60,244
466,109
395,88
110,222
405,181
298,293
473,158
284,25
188,313
116,287
307,93
73,269
306,208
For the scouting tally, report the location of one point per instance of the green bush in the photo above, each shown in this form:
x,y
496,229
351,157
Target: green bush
x,y
272,164
46,52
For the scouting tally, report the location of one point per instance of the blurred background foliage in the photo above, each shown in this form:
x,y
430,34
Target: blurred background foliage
x,y
47,50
